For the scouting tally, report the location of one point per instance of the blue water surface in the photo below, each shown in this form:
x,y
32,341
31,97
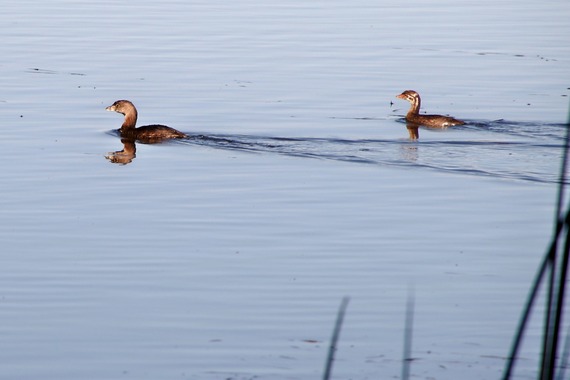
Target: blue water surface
x,y
226,255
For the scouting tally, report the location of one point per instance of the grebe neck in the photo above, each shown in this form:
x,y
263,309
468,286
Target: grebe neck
x,y
130,120
415,103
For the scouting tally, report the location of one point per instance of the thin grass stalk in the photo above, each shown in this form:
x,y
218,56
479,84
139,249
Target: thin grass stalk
x,y
545,261
551,330
408,335
562,178
555,333
334,340
549,315
561,374
524,319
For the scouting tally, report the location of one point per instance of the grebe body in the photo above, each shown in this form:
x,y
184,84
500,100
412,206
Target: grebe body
x,y
147,133
414,116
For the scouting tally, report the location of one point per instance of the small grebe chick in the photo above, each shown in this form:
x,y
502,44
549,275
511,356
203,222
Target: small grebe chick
x,y
147,133
434,121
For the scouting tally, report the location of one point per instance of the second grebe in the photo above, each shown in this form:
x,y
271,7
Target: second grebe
x,y
414,116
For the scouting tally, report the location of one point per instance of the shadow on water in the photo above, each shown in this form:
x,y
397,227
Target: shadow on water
x,y
509,150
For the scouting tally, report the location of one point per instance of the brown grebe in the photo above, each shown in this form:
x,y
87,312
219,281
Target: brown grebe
x,y
434,121
147,133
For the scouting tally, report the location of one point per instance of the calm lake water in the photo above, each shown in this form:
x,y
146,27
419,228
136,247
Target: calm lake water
x,y
226,255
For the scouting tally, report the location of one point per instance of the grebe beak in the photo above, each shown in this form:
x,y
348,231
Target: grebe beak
x,y
110,108
401,96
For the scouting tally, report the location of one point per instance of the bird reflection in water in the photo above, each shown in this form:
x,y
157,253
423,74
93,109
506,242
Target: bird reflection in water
x,y
409,152
125,156
413,130
128,153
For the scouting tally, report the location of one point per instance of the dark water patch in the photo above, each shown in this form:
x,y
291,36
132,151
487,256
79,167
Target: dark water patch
x,y
533,130
483,53
358,118
51,72
525,160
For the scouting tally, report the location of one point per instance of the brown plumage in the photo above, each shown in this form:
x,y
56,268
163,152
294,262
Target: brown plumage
x,y
434,121
147,133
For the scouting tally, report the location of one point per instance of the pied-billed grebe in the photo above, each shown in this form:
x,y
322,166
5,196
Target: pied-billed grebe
x,y
147,133
434,121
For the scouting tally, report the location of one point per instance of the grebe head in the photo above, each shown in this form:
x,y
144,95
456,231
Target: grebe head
x,y
409,95
121,106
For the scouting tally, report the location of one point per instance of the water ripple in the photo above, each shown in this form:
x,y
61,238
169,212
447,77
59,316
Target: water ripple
x,y
521,150
535,157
